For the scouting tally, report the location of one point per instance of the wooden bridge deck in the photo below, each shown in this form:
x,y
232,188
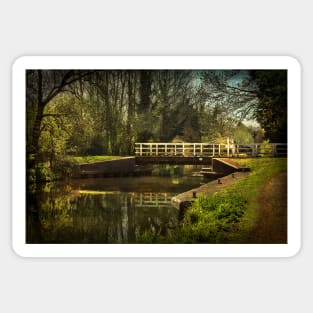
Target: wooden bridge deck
x,y
170,159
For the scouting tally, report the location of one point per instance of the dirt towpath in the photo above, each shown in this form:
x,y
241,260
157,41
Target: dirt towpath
x,y
272,223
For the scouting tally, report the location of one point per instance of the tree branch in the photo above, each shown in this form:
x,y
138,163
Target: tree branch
x,y
254,92
69,78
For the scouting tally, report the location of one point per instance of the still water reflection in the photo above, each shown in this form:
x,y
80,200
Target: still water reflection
x,y
104,210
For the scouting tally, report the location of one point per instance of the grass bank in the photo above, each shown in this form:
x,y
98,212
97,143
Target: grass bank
x,y
228,216
92,158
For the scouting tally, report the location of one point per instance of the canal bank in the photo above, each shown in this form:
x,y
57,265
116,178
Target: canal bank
x,y
126,166
121,167
185,199
225,170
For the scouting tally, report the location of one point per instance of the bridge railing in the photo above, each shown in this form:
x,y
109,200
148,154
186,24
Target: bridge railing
x,y
194,149
151,199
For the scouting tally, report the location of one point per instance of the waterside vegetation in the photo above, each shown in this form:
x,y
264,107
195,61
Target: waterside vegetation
x,y
228,216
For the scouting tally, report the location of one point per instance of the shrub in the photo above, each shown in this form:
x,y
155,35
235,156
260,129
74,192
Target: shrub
x,y
211,216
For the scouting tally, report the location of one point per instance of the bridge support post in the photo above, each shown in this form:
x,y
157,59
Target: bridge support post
x,y
228,147
140,149
253,150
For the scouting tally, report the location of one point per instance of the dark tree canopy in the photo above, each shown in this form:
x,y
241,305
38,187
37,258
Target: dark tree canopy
x,y
259,94
271,111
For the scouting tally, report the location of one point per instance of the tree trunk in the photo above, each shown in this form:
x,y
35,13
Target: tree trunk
x,y
36,130
145,90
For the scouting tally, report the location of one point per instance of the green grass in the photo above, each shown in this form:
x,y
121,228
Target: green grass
x,y
238,204
92,158
228,216
97,192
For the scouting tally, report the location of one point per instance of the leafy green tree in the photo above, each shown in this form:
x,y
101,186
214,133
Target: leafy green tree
x,y
242,135
42,87
271,111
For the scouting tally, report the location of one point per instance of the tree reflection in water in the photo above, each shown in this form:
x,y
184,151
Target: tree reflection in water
x,y
99,211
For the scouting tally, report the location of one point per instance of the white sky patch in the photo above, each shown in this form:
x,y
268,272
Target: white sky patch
x,y
252,123
238,78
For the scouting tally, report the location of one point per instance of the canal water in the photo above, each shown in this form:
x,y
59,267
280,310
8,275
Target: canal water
x,y
106,210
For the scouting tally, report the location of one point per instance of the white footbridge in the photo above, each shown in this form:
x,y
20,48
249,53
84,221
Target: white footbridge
x,y
202,149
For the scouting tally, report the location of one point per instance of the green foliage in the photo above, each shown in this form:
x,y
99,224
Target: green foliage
x,y
242,135
148,237
42,173
265,149
271,111
211,218
66,127
216,123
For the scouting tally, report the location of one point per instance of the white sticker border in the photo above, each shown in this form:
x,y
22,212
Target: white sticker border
x,y
155,250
